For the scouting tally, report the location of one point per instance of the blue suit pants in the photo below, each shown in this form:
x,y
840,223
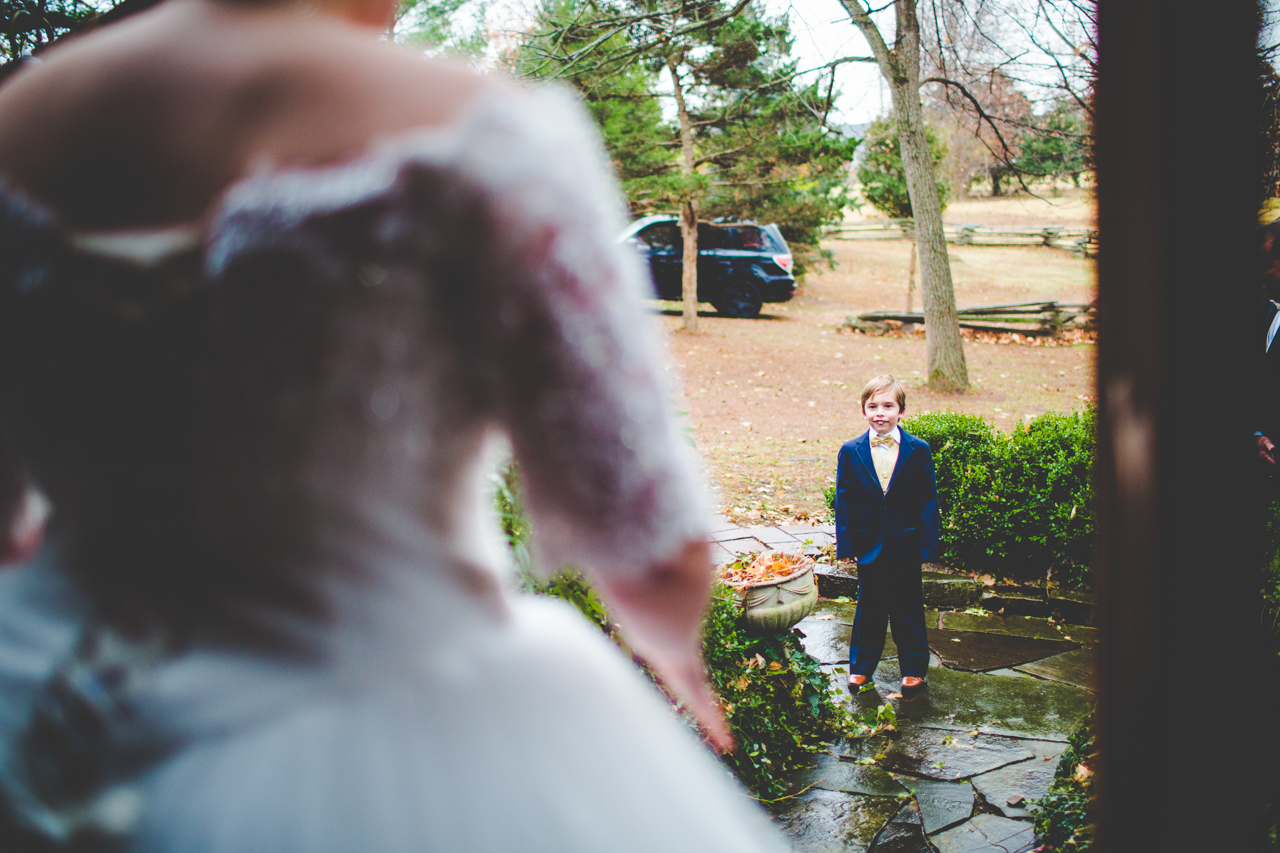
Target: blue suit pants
x,y
889,595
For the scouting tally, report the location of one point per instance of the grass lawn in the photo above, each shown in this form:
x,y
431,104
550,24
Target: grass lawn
x,y
769,401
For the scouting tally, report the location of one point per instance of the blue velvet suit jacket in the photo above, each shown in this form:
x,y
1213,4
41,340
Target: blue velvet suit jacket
x,y
897,526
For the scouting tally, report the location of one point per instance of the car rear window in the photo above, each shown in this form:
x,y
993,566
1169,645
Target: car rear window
x,y
663,236
751,238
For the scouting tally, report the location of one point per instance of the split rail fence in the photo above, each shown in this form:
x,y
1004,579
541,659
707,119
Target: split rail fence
x,y
1078,241
1028,318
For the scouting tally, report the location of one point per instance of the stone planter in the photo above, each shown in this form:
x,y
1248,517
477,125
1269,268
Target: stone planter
x,y
773,607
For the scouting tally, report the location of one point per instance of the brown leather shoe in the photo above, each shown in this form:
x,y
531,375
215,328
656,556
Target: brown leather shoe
x,y
857,680
911,682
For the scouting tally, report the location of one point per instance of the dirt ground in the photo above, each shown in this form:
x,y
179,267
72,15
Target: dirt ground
x,y
769,401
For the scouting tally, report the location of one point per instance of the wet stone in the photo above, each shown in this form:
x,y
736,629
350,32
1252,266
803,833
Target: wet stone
x,y
1016,605
992,704
816,535
942,804
974,651
738,547
832,774
821,821
825,641
720,555
776,538
909,814
987,834
949,592
839,611
1017,783
902,838
1069,668
1018,626
1047,750
944,755
835,582
1072,606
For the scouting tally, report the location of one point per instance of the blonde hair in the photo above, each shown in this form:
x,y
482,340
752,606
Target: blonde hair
x,y
885,382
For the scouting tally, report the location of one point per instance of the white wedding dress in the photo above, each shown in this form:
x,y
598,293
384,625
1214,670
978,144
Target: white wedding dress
x,y
481,296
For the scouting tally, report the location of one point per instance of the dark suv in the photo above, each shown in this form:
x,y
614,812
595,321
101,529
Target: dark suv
x,y
740,265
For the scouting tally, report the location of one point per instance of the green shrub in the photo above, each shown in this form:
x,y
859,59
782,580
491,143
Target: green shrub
x,y
777,700
884,180
1015,505
1019,504
1064,818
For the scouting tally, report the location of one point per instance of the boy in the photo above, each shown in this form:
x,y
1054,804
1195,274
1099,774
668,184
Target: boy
x,y
887,519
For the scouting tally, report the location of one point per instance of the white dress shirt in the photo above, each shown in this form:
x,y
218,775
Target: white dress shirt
x,y
886,456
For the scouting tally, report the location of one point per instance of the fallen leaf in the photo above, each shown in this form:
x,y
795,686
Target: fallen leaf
x,y
1016,800
1082,773
759,660
987,580
894,696
825,616
774,666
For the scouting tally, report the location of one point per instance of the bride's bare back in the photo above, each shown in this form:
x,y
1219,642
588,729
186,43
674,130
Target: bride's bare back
x,y
146,122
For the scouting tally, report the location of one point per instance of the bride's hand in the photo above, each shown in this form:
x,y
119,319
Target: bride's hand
x,y
661,614
22,523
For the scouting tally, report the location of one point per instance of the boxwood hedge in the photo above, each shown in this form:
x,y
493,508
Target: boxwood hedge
x,y
1016,505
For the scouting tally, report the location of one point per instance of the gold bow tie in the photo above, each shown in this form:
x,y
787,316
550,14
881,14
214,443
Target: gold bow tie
x,y
878,440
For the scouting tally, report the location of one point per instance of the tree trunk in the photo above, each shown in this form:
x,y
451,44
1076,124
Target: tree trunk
x,y
689,208
995,181
945,362
911,276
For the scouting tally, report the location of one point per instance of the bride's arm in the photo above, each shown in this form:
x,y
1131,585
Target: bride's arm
x,y
579,382
661,612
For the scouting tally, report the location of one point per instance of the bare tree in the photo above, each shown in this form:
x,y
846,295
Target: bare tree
x,y
900,67
985,58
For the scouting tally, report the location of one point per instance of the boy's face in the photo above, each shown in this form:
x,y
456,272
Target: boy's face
x,y
882,412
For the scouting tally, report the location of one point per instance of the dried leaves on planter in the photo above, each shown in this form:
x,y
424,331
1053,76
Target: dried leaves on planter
x,y
767,567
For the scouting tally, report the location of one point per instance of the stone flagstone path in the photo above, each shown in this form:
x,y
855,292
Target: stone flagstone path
x,y
975,746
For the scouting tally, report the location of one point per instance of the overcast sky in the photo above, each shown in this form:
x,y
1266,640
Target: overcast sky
x,y
823,32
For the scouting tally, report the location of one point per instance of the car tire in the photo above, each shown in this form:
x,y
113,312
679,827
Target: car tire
x,y
741,299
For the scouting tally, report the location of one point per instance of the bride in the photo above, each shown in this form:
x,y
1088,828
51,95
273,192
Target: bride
x,y
271,293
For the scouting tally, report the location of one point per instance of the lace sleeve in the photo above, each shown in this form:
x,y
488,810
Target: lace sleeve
x,y
577,376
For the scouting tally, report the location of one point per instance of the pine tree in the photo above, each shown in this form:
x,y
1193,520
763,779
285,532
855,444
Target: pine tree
x,y
747,142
